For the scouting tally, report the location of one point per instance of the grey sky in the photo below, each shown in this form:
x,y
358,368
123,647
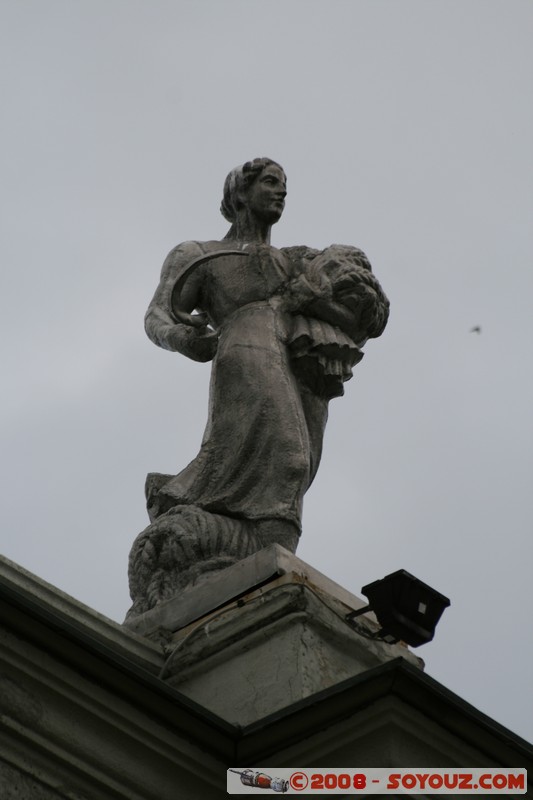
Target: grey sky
x,y
406,129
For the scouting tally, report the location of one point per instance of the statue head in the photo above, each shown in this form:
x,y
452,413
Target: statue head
x,y
258,187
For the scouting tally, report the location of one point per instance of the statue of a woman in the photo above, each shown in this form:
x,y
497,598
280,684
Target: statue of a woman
x,y
284,329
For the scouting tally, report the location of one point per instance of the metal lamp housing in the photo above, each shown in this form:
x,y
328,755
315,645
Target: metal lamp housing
x,y
407,609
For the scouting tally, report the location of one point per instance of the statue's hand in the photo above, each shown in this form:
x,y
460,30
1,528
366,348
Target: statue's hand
x,y
194,320
205,345
198,343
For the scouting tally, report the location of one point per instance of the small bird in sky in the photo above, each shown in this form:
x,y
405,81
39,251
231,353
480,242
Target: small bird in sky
x,y
476,329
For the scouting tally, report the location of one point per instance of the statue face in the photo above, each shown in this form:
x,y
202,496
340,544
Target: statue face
x,y
265,198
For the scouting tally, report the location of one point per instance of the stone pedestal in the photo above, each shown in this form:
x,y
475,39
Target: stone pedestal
x,y
262,635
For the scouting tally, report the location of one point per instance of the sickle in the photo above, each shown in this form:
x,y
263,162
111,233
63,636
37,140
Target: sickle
x,y
176,289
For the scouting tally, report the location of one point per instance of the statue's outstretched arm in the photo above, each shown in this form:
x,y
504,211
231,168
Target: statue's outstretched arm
x,y
181,331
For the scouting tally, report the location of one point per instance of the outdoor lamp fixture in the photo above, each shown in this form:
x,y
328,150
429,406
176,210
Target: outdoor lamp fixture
x,y
407,609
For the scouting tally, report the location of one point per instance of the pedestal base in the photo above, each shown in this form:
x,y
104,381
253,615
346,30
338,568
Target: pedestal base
x,y
263,634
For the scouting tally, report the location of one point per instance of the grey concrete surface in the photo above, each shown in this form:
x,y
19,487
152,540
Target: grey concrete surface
x,y
273,627
214,589
88,710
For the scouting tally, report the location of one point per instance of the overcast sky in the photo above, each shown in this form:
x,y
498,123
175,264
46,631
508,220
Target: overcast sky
x,y
405,128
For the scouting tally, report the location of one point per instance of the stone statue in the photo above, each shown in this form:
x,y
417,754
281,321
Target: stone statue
x,y
283,329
